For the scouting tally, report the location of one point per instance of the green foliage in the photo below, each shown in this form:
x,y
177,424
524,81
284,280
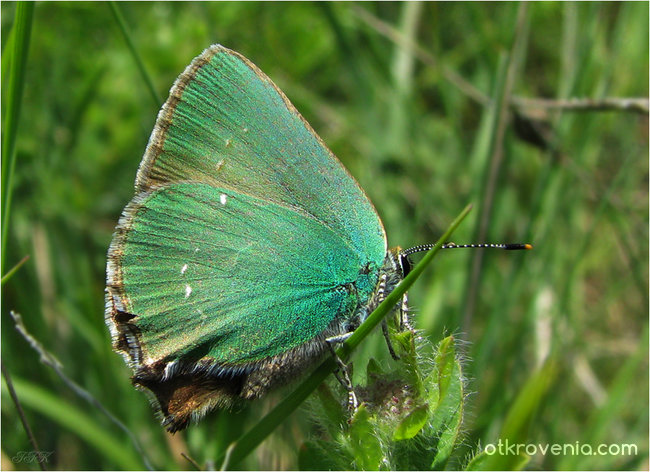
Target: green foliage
x,y
409,418
421,144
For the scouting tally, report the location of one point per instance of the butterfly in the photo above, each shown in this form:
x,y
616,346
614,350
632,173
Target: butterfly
x,y
246,247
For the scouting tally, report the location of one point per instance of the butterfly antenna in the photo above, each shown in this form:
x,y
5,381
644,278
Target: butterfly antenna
x,y
406,264
426,247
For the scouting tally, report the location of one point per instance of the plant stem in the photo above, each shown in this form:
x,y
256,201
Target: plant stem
x,y
250,440
117,13
18,58
21,415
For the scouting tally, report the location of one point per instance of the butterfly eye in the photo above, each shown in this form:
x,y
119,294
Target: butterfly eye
x,y
405,264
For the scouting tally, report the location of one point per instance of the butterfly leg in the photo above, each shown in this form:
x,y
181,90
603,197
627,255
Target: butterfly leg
x,y
338,339
381,295
344,377
404,323
384,330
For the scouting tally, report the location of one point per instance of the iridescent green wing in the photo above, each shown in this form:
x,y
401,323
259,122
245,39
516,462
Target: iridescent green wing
x,y
246,232
212,273
225,123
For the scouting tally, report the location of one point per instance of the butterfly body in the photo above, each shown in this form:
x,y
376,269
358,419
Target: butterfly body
x,y
246,246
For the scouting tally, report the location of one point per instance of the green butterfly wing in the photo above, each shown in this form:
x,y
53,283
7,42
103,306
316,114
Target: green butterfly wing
x,y
232,278
247,237
225,123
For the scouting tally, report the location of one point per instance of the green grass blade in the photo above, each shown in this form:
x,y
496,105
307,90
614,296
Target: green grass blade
x,y
77,421
249,441
496,149
117,13
518,421
14,269
18,58
6,55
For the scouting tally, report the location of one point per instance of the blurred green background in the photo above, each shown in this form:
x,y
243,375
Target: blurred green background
x,y
415,101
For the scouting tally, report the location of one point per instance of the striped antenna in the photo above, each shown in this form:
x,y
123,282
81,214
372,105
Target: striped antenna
x,y
406,265
426,247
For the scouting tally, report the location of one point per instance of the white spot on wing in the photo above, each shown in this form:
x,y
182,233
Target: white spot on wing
x,y
184,268
245,130
223,198
188,290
